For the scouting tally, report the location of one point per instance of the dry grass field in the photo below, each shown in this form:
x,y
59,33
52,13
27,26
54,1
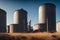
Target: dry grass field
x,y
30,36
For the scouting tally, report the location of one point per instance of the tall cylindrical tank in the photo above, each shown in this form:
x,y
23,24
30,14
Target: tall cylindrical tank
x,y
20,17
47,15
2,20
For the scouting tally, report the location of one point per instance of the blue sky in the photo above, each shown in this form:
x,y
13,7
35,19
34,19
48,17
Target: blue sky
x,y
31,6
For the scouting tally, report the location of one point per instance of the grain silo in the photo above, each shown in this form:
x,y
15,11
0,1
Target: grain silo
x,y
20,18
2,20
47,17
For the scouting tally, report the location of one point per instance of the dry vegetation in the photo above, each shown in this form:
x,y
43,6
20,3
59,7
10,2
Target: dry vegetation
x,y
30,36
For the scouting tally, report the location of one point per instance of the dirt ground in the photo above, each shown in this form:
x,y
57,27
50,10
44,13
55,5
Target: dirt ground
x,y
30,36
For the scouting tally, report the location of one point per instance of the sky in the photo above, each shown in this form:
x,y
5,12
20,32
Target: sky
x,y
31,6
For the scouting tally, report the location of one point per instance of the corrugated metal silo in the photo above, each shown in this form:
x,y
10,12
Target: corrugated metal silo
x,y
47,16
2,20
20,18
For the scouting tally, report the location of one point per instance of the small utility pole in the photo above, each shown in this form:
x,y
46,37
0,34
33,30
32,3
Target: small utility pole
x,y
47,24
